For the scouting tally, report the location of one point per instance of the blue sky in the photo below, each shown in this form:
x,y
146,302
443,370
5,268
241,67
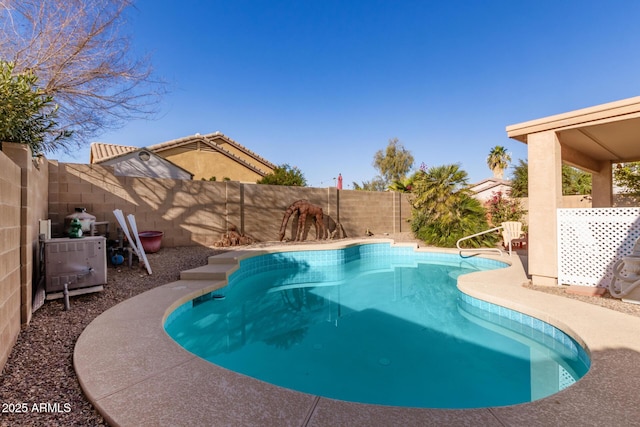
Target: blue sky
x,y
324,84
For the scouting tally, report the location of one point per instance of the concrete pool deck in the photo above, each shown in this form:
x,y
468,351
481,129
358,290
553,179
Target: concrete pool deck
x,y
136,375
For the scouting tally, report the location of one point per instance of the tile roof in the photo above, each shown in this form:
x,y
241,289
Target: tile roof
x,y
101,152
211,139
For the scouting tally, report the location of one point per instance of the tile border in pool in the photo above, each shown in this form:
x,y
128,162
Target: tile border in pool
x,y
134,374
536,329
395,255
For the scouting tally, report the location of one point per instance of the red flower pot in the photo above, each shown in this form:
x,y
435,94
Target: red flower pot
x,y
151,240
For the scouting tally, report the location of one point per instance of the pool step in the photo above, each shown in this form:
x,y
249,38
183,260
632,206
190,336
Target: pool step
x,y
209,272
219,266
232,257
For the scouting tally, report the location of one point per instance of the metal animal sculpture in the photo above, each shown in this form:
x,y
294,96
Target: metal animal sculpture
x,y
304,208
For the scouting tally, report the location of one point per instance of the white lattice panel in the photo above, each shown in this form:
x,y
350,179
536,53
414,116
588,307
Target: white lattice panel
x,y
590,241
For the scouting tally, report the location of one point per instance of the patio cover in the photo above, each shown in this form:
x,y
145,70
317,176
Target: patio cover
x,y
591,139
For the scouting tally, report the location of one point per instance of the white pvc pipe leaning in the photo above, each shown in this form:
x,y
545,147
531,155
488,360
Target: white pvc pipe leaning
x,y
136,245
125,229
134,228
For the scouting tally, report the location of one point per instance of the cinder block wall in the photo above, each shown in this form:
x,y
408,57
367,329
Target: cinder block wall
x,y
188,212
199,212
35,207
379,212
33,182
10,207
264,207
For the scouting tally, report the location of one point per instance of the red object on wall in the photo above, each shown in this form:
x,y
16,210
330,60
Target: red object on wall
x,y
339,181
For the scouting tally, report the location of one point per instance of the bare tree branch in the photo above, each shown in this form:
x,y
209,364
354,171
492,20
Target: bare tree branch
x,y
82,57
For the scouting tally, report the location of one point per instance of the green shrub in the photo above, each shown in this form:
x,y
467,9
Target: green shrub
x,y
285,175
26,114
444,210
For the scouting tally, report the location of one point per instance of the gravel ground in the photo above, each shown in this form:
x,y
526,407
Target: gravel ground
x,y
606,300
40,368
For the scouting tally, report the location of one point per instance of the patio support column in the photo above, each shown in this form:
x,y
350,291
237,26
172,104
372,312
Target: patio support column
x,y
545,197
602,187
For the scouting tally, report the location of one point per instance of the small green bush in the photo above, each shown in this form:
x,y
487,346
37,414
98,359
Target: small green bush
x,y
26,113
285,175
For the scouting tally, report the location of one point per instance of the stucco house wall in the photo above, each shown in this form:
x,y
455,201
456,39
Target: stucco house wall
x,y
214,155
205,164
242,152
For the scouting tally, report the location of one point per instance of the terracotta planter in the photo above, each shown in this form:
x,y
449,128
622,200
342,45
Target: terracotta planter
x,y
151,240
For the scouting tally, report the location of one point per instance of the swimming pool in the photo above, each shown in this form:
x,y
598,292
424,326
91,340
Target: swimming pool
x,y
376,324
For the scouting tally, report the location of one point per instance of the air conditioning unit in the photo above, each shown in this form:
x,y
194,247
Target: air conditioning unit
x,y
80,263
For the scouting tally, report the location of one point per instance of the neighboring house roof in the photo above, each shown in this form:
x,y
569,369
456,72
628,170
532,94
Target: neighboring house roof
x,y
101,151
484,189
489,183
215,142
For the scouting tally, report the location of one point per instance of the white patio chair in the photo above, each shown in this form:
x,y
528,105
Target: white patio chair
x,y
511,230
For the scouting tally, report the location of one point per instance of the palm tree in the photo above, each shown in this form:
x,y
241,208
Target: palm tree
x,y
498,160
438,189
575,181
443,209
404,185
520,179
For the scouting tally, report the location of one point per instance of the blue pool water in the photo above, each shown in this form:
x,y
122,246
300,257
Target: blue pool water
x,y
376,324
